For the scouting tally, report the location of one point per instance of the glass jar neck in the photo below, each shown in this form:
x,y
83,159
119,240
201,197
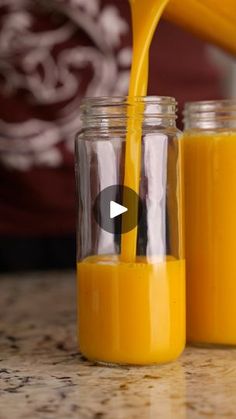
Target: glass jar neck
x,y
210,115
115,112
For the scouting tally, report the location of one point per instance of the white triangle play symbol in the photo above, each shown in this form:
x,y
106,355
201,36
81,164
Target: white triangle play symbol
x,y
116,209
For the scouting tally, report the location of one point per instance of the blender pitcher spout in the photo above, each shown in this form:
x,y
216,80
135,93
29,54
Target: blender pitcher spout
x,y
212,20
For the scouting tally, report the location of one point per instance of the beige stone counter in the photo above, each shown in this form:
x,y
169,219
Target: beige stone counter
x,y
43,376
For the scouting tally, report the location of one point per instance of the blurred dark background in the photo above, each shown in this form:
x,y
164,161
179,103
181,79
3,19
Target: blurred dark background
x,y
52,54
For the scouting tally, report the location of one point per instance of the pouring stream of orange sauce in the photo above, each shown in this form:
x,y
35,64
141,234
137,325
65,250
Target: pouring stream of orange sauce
x,y
145,17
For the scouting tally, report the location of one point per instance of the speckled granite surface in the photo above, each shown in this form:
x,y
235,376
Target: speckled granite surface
x,y
43,376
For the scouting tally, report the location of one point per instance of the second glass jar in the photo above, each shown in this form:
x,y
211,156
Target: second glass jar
x,y
210,201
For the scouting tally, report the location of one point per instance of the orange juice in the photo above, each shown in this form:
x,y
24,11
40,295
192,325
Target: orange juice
x,y
131,312
210,195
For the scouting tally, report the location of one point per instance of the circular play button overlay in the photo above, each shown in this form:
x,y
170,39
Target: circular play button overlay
x,y
117,209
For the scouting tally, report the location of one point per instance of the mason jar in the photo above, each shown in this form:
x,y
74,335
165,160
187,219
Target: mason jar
x,y
131,310
210,208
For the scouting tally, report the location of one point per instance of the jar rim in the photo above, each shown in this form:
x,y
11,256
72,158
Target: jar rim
x,y
111,111
126,100
113,107
210,114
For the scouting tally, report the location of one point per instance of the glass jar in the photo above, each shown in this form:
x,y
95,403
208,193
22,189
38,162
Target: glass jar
x,y
210,208
130,312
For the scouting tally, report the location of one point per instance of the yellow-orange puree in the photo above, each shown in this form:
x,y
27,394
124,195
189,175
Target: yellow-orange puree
x,y
210,195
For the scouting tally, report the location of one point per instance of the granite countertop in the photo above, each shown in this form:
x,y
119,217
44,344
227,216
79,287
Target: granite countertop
x,y
42,375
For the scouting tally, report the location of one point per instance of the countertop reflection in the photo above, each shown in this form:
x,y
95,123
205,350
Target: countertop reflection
x,y
43,376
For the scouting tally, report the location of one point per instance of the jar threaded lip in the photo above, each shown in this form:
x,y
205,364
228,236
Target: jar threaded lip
x,y
127,99
210,114
124,108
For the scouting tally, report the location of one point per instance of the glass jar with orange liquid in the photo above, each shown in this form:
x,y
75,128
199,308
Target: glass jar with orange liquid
x,y
130,310
210,210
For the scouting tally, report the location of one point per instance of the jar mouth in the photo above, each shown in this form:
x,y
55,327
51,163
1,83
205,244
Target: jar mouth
x,y
128,107
210,114
110,100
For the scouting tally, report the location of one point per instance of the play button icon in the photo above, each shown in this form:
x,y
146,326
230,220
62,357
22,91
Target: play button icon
x,y
117,209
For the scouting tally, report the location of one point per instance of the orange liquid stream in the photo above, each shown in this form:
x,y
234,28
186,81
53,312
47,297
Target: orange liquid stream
x,y
145,17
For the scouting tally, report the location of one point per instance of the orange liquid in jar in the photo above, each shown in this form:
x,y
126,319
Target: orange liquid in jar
x,y
210,206
131,313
